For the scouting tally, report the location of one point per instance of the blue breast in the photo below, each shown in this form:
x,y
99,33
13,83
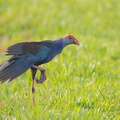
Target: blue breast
x,y
57,49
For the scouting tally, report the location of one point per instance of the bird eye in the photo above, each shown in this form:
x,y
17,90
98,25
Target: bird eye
x,y
69,38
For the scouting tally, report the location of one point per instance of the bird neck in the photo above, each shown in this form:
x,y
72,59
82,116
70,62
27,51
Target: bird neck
x,y
63,42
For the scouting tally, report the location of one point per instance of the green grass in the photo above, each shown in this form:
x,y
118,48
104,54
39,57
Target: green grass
x,y
83,83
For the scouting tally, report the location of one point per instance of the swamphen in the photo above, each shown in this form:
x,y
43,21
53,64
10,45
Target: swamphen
x,y
27,55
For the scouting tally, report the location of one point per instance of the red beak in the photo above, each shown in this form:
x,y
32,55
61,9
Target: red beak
x,y
75,42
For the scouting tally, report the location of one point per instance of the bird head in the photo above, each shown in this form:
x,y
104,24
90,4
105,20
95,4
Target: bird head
x,y
69,39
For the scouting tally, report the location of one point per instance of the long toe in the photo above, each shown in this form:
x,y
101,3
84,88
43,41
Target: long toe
x,y
41,80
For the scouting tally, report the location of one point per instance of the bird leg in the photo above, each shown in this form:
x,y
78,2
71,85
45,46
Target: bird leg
x,y
42,76
33,91
33,70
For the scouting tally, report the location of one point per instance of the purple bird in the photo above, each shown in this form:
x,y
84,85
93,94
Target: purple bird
x,y
27,55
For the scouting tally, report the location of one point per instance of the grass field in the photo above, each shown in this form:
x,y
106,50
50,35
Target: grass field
x,y
83,83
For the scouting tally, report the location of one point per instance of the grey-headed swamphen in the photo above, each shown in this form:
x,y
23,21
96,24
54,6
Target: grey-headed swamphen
x,y
27,55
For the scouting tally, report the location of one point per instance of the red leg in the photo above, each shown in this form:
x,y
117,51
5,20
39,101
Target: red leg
x,y
43,74
33,91
33,70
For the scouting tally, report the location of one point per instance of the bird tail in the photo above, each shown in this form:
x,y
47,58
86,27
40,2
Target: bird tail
x,y
13,67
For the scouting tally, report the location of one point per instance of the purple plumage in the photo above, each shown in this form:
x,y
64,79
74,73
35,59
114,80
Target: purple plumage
x,y
31,54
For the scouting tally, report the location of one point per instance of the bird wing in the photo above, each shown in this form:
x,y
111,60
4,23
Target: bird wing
x,y
28,48
35,51
24,56
14,67
15,49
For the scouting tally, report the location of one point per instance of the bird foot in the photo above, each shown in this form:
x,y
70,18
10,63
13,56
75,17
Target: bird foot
x,y
42,79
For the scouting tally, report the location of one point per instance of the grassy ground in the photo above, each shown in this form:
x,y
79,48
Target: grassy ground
x,y
83,83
